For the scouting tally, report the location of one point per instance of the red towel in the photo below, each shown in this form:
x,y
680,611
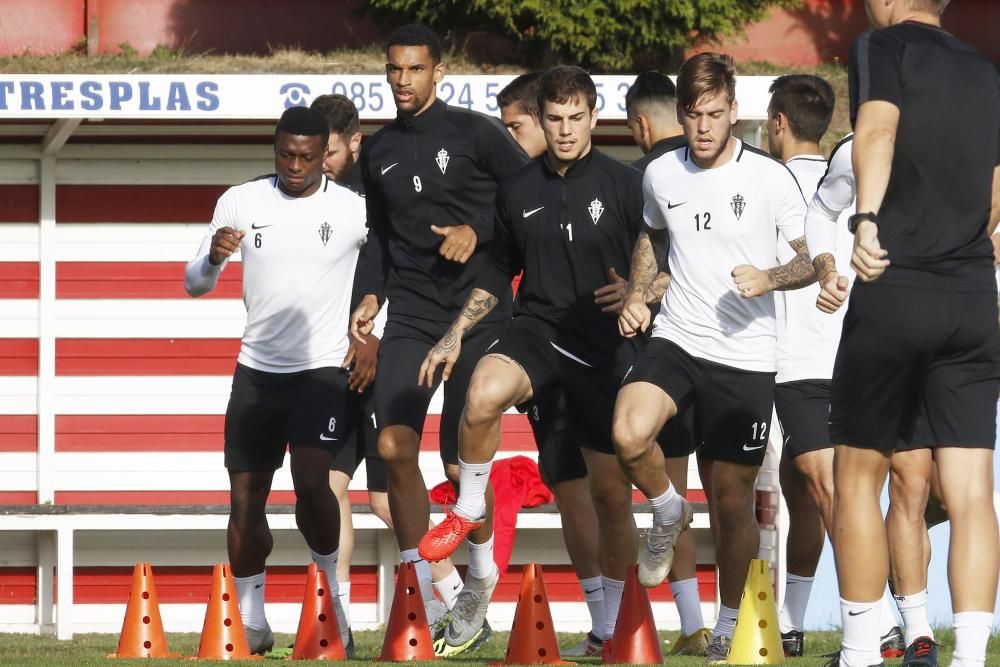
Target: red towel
x,y
516,484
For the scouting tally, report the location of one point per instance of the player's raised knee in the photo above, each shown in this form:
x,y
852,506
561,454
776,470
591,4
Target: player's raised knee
x,y
488,398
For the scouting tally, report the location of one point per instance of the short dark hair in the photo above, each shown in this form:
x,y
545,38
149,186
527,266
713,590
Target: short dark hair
x,y
704,74
806,101
416,34
340,112
564,83
522,91
304,122
653,87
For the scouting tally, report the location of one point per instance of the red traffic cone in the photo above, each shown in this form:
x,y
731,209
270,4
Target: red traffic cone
x,y
635,641
142,631
222,636
532,637
318,636
407,636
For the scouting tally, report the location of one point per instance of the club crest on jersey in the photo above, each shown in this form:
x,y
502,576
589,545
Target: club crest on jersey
x,y
325,231
738,203
442,160
596,209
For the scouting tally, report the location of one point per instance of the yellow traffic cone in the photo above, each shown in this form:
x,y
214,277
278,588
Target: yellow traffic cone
x,y
757,640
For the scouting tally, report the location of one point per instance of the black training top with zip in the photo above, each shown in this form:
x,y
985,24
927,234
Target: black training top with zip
x,y
440,168
565,233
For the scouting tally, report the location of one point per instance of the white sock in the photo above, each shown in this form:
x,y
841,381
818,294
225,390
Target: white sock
x,y
887,617
449,587
972,631
481,563
913,609
727,622
667,508
344,595
862,640
593,593
423,569
328,564
613,590
793,610
688,601
472,481
250,591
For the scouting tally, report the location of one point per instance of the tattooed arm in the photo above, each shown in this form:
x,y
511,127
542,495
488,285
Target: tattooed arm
x,y
446,351
648,256
796,273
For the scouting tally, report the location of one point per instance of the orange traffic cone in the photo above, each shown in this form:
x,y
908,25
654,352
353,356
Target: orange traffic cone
x,y
532,636
635,641
407,637
142,632
318,637
222,636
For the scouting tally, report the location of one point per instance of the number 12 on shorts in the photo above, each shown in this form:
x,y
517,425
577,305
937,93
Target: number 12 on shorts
x,y
759,431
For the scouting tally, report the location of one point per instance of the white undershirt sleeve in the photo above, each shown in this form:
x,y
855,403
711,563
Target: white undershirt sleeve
x,y
836,193
200,275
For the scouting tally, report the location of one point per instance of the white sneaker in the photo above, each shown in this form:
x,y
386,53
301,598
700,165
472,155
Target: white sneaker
x,y
260,641
469,612
656,555
437,616
589,646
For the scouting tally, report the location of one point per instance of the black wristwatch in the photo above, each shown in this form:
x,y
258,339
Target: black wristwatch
x,y
852,222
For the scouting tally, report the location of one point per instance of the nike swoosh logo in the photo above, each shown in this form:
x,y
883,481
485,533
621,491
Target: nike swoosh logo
x,y
750,449
528,214
323,437
385,170
456,587
858,613
480,474
673,205
256,226
258,586
586,592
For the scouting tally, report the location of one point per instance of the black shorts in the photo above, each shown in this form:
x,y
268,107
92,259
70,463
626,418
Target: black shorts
x,y
677,438
361,443
399,401
268,411
803,409
916,368
558,436
588,394
732,407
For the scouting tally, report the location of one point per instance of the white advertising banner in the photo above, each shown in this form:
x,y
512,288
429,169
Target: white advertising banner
x,y
265,96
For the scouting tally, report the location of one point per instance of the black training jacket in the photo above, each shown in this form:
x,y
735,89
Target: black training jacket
x,y
565,233
438,168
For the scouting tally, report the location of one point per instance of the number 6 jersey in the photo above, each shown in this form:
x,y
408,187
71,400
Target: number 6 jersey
x,y
299,258
718,219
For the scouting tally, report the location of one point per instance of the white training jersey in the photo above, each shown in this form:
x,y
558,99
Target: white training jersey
x,y
808,337
718,219
299,258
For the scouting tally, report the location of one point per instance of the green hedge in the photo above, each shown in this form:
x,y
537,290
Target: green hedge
x,y
603,35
